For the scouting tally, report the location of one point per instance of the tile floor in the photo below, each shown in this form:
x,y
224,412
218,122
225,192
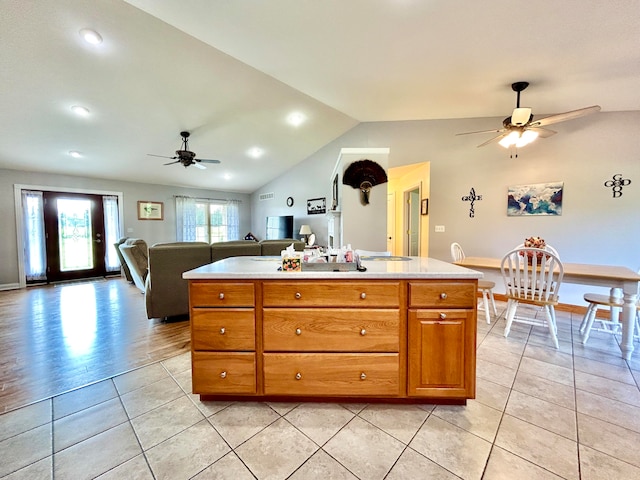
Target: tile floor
x,y
540,414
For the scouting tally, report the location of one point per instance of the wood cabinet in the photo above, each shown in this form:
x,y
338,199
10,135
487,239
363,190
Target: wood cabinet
x,y
385,339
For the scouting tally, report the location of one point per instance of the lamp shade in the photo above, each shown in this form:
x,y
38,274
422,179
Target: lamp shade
x,y
305,230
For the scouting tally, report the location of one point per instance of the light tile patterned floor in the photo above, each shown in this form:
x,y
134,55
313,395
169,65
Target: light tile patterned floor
x,y
540,413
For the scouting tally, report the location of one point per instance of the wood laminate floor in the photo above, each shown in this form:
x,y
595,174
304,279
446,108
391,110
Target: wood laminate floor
x,y
57,338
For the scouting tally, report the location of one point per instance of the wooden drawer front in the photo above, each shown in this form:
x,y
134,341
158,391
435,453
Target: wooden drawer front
x,y
327,294
442,294
211,294
331,374
331,330
217,373
223,329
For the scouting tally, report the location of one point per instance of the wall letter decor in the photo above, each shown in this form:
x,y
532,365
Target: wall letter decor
x,y
616,184
472,197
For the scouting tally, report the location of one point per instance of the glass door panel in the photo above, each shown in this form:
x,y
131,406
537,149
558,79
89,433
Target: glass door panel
x,y
75,236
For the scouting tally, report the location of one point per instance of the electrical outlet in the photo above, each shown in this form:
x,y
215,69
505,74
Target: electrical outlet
x,y
439,228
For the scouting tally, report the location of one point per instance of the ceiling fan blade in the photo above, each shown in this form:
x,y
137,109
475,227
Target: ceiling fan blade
x,y
206,161
170,163
495,139
542,132
161,156
495,130
561,117
200,166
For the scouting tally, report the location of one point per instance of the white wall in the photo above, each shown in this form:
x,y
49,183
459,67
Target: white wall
x,y
593,228
151,231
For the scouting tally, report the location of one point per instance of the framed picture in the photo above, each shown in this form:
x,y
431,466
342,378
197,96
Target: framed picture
x,y
316,205
150,210
535,199
334,203
424,206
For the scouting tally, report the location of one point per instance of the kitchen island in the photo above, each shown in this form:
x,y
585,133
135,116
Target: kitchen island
x,y
404,330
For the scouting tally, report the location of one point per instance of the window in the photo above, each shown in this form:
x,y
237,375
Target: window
x,y
203,220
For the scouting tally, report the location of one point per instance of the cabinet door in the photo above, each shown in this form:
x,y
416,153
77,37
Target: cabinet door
x,y
442,353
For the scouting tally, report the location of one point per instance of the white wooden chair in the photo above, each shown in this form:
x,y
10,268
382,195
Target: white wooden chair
x,y
609,325
532,276
485,287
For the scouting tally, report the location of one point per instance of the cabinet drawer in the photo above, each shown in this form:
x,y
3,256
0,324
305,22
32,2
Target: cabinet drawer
x,y
442,294
331,374
229,372
223,329
221,294
331,294
332,330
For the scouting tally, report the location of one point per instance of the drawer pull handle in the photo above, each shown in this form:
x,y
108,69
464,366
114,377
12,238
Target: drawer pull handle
x,y
363,376
221,296
443,296
223,331
363,295
363,332
298,295
298,376
298,331
223,375
443,315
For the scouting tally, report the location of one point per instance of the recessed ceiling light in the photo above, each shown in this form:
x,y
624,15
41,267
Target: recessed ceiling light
x,y
91,36
227,176
80,110
255,152
296,119
75,154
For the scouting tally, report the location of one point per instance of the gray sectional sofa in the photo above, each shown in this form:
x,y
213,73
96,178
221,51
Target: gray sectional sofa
x,y
166,292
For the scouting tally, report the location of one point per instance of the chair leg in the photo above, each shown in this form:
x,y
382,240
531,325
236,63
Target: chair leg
x,y
493,303
589,317
551,323
512,305
485,305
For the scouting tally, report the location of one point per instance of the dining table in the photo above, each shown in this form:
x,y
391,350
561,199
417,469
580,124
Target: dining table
x,y
613,276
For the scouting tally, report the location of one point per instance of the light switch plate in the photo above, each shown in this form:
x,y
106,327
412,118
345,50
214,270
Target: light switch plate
x,y
439,228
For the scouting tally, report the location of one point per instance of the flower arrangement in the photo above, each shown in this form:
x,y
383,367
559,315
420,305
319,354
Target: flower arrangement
x,y
534,242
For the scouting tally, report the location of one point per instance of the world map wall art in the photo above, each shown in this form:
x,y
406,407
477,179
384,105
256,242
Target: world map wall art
x,y
535,199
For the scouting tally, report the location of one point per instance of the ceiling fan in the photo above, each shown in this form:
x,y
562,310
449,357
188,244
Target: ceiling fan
x,y
185,156
521,129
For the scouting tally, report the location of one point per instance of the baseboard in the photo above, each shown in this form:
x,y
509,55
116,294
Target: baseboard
x,y
9,286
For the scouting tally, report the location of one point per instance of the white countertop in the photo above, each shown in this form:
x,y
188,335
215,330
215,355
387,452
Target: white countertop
x,y
258,268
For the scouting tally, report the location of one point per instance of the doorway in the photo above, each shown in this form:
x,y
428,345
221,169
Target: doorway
x,y
412,221
74,236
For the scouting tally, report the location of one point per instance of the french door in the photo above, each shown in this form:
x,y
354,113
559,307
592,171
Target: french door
x,y
74,236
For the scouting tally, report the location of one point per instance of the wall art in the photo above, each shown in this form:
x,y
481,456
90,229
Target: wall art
x,y
316,205
535,199
616,184
472,197
150,210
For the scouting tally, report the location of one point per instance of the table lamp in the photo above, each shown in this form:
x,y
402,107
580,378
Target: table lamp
x,y
305,230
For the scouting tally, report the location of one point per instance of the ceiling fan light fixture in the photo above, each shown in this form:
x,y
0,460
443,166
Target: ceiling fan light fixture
x,y
526,138
520,116
510,139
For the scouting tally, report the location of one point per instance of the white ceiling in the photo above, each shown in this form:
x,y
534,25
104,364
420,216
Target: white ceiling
x,y
231,71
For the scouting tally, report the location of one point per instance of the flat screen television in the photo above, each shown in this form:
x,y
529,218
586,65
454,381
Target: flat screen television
x,y
279,227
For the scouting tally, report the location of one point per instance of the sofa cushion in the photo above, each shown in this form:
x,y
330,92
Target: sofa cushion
x,y
167,292
234,248
274,247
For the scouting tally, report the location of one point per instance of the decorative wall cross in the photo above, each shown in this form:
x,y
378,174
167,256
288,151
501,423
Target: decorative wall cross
x,y
616,184
472,197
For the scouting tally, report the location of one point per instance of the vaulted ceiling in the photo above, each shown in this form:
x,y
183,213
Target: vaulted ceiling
x,y
231,72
